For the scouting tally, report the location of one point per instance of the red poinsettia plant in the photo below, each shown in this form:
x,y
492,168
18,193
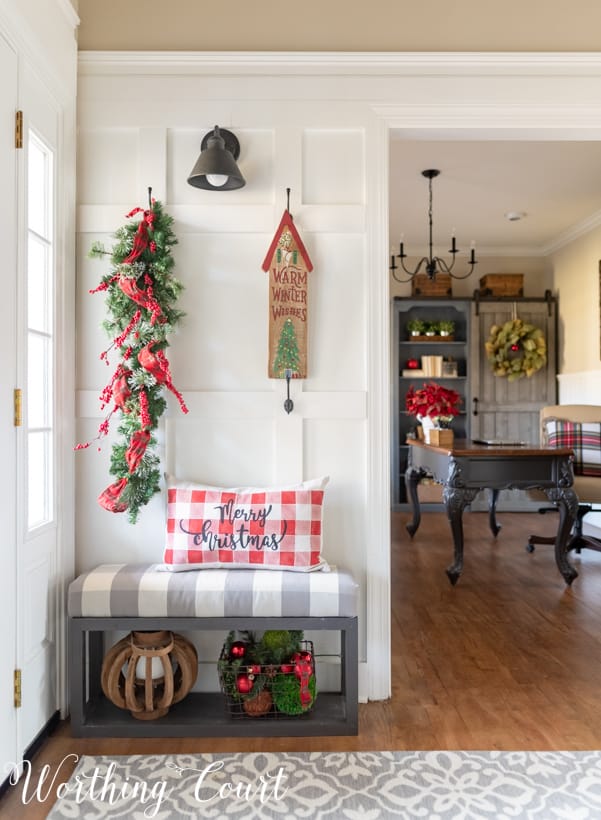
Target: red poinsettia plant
x,y
433,401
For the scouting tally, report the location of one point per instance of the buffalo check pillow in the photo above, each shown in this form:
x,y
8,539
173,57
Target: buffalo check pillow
x,y
244,527
584,438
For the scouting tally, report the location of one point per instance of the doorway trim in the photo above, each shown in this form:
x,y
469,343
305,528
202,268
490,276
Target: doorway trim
x,y
560,108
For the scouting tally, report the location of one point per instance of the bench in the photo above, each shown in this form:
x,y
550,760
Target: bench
x,y
114,597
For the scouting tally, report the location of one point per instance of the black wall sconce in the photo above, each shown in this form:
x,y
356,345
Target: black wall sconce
x,y
216,168
288,404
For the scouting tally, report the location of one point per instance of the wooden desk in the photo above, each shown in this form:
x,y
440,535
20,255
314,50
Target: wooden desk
x,y
466,468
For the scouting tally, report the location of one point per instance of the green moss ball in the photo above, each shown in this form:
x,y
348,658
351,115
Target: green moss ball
x,y
286,694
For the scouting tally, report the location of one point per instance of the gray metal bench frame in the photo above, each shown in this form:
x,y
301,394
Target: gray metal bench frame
x,y
203,714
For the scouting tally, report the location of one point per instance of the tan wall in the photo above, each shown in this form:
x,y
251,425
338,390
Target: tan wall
x,y
576,281
337,25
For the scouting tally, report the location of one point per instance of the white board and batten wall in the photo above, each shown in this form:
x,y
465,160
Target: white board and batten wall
x,y
141,131
318,124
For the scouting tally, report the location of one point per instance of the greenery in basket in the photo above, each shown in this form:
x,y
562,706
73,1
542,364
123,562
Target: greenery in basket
x,y
277,663
286,698
432,328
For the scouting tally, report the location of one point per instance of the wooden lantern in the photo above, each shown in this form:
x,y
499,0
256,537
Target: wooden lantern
x,y
147,672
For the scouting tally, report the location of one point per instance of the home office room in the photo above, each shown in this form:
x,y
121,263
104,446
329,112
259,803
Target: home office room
x,y
291,317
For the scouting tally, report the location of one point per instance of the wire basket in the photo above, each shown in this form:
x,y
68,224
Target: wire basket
x,y
269,691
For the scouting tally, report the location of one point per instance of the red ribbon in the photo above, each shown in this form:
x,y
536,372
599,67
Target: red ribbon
x,y
109,498
158,366
303,671
144,298
137,447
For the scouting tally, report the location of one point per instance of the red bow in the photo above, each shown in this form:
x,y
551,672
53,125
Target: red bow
x,y
109,498
303,670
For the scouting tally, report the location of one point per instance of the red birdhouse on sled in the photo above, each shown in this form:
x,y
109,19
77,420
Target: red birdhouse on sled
x,y
288,264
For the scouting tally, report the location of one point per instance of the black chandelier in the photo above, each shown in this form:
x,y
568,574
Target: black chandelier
x,y
432,264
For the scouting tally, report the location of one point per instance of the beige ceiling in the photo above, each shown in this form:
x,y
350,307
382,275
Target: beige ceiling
x,y
557,185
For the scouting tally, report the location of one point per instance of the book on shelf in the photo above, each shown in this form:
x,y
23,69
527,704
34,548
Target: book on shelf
x,y
432,366
414,373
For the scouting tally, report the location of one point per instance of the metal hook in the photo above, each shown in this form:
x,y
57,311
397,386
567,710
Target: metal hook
x,y
288,404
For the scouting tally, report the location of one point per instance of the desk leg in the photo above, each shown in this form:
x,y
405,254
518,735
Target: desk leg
x,y
456,500
412,479
567,501
492,512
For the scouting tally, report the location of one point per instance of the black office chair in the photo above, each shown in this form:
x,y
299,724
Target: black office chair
x,y
577,426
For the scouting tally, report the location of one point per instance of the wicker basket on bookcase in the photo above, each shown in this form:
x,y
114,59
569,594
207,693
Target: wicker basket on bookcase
x,y
502,284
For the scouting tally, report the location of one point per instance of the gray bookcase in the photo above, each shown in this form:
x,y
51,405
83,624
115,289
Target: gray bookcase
x,y
454,351
492,407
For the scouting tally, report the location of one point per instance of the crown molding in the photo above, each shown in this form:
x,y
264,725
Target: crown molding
x,y
575,232
390,63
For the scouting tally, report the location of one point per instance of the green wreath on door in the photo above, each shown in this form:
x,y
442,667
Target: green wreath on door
x,y
516,349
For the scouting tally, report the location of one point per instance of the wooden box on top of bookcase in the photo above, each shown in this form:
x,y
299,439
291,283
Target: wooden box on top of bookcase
x,y
441,285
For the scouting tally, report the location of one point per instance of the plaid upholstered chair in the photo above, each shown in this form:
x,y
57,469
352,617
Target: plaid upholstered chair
x,y
577,426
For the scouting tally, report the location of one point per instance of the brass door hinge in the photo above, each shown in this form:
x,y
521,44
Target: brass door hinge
x,y
17,407
17,688
18,129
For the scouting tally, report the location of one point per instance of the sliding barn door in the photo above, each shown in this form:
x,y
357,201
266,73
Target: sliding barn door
x,y
510,410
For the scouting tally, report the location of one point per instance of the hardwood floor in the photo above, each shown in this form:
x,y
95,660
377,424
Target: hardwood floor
x,y
509,658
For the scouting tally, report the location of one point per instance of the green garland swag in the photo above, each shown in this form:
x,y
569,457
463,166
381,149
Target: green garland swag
x,y
141,292
516,349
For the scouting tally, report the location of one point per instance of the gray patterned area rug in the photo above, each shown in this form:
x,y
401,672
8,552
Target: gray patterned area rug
x,y
348,785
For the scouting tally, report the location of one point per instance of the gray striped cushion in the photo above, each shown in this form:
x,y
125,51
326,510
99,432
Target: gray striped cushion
x,y
140,590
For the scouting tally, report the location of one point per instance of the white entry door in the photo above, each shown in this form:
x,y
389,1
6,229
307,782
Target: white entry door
x,y
8,474
37,571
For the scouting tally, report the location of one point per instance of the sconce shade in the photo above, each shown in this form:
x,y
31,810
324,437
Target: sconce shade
x,y
216,168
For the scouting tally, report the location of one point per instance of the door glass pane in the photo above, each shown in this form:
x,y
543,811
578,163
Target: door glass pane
x,y
37,187
38,470
40,342
37,284
38,372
